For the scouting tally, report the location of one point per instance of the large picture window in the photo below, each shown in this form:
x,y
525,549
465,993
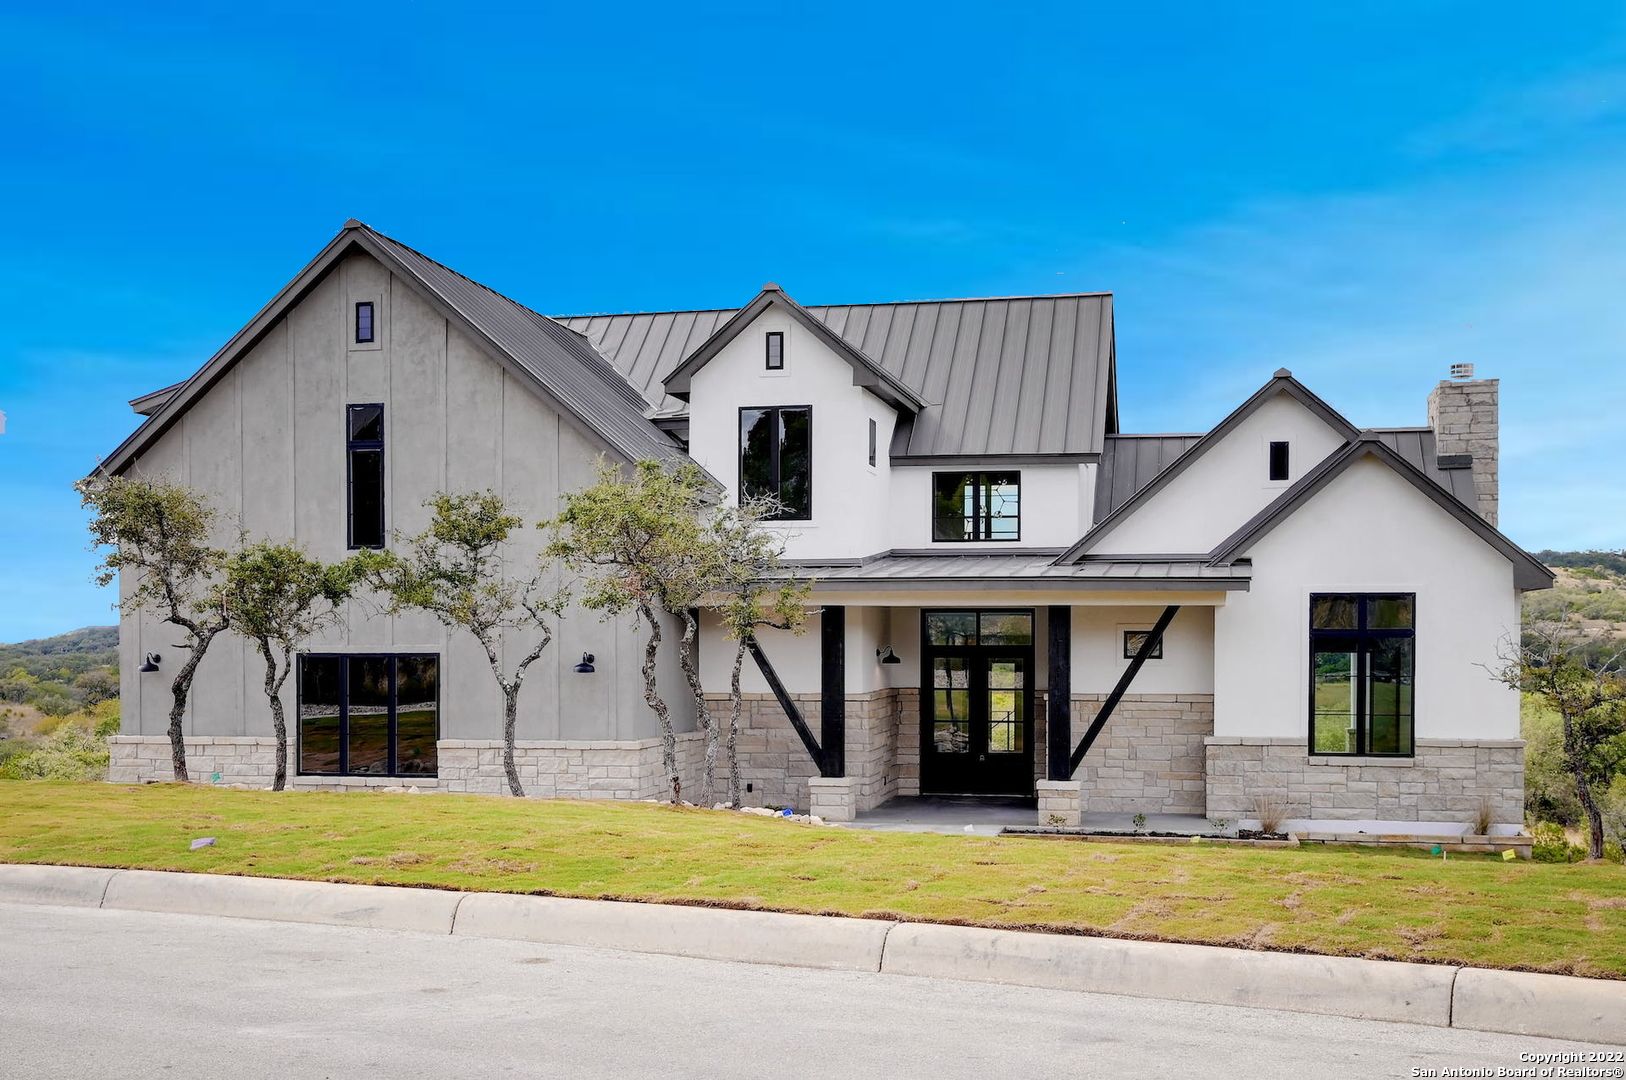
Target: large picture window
x,y
1361,673
368,715
365,450
776,459
976,506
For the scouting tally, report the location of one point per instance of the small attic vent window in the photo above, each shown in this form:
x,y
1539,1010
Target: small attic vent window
x,y
364,321
776,351
1278,461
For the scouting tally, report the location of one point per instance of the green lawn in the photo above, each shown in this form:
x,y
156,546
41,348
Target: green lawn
x,y
1470,909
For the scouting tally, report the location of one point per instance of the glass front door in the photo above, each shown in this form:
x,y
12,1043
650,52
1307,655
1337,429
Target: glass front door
x,y
977,704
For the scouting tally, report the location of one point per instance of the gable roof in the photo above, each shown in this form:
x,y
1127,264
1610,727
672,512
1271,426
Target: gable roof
x,y
1022,377
1528,572
557,364
1280,383
1130,462
866,372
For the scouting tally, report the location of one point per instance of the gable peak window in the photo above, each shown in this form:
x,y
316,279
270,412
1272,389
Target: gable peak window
x,y
365,452
776,350
364,321
1278,461
1362,665
976,506
776,459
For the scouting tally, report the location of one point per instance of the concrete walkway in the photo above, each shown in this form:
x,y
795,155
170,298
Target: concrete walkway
x,y
94,993
947,814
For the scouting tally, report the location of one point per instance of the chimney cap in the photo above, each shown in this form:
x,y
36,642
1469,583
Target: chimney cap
x,y
1462,371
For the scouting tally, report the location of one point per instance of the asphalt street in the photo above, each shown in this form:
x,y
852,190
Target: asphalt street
x,y
91,993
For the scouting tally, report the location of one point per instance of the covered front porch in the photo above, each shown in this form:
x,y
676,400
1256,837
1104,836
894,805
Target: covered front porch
x,y
1045,697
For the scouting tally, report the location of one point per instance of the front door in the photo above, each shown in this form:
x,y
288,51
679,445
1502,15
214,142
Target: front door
x,y
977,704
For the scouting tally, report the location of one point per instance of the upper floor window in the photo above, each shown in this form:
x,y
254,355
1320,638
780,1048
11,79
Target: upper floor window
x,y
364,321
1361,670
1278,461
776,459
365,450
872,442
976,506
776,351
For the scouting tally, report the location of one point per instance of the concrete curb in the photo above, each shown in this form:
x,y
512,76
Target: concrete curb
x,y
376,907
755,937
1341,986
1548,1006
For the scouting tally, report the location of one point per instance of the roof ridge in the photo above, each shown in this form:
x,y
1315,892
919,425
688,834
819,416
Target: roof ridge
x,y
864,303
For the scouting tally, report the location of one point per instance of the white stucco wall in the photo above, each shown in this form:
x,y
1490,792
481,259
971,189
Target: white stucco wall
x,y
1226,486
849,497
1369,531
267,444
1187,666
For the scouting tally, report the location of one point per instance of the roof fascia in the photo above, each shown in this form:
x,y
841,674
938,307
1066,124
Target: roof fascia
x,y
1281,383
866,372
1528,571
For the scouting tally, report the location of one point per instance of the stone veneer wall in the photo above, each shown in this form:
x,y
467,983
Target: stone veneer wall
x,y
248,759
1445,781
1149,758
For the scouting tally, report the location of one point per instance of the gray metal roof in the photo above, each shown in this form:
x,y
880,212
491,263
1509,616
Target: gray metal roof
x,y
1024,375
563,361
1128,463
1416,447
1029,569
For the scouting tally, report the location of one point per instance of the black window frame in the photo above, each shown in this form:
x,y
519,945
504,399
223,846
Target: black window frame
x,y
1364,637
872,439
1279,469
1130,649
777,478
982,524
372,322
344,710
351,448
768,354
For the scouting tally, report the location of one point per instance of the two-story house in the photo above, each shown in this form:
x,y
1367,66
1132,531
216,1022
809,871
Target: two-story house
x,y
1015,598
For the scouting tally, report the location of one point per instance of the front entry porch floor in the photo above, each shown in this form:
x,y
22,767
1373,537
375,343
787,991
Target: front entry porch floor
x,y
977,815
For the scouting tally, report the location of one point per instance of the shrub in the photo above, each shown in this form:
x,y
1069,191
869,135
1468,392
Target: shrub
x,y
1552,846
75,750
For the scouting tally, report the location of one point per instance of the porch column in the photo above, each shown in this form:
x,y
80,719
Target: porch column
x,y
833,692
1059,699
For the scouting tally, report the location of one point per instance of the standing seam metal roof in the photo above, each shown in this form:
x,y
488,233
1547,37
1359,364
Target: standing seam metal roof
x,y
1013,375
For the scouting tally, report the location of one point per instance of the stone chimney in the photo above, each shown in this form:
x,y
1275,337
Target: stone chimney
x,y
1462,412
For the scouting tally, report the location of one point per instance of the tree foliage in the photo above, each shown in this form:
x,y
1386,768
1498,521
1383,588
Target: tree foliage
x,y
278,597
458,570
158,534
639,542
1562,666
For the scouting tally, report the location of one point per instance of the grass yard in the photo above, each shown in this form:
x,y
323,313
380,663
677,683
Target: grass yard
x,y
1409,906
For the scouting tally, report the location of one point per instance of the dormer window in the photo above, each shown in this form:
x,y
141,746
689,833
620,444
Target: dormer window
x,y
976,506
1278,461
364,321
776,351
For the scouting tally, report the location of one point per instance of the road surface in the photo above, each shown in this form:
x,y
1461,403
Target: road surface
x,y
89,993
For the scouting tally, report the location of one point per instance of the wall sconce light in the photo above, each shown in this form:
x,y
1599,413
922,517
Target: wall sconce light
x,y
586,666
888,656
150,663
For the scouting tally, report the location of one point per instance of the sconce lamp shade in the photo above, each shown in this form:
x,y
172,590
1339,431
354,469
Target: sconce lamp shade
x,y
888,656
150,663
586,666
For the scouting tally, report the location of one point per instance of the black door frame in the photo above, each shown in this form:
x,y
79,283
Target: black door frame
x,y
979,655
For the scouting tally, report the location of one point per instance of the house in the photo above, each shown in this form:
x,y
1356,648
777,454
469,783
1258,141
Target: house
x,y
1014,596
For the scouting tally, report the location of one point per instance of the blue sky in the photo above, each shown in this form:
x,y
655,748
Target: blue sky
x,y
1363,193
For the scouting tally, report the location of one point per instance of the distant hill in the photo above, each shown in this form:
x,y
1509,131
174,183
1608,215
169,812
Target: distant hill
x,y
57,675
75,651
1612,562
1591,590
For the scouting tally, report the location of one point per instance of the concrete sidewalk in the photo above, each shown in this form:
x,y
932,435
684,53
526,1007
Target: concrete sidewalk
x,y
1553,1006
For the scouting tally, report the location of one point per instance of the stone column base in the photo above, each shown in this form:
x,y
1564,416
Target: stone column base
x,y
1060,802
833,798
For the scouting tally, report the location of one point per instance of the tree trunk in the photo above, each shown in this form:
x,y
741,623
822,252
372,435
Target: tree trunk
x,y
510,697
1583,790
279,722
653,697
702,715
179,689
735,795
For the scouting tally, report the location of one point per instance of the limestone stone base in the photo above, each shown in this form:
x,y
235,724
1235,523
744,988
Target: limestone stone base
x,y
1149,759
242,759
1060,802
1445,781
833,798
